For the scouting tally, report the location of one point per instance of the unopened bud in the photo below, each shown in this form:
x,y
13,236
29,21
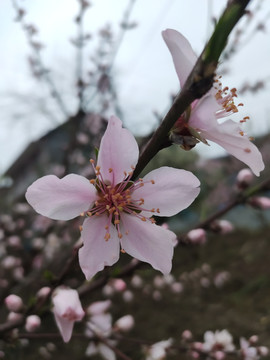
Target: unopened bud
x,y
219,355
263,350
197,236
125,323
260,202
13,303
187,335
244,178
223,226
43,292
32,323
119,285
253,339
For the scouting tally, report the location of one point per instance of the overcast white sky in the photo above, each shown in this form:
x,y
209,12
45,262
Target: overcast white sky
x,y
145,74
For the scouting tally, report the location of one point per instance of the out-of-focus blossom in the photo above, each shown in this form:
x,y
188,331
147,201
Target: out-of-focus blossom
x,y
187,335
200,120
98,307
118,211
223,226
248,352
218,340
67,309
43,292
260,202
158,350
125,323
13,303
102,349
32,323
197,236
244,178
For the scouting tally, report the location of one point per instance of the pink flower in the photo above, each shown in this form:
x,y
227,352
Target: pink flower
x,y
14,303
67,309
118,211
32,323
200,120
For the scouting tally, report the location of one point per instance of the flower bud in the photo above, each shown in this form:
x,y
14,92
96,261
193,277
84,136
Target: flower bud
x,y
197,236
260,202
43,292
67,309
187,335
263,350
13,303
119,285
32,323
224,226
244,178
125,323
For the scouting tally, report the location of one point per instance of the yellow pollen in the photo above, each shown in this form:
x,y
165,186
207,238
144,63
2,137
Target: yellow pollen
x,y
116,222
122,251
153,182
92,161
97,168
82,214
143,218
107,227
110,170
107,207
80,228
92,181
107,236
241,133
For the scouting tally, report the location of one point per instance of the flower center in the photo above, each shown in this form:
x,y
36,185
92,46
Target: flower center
x,y
114,200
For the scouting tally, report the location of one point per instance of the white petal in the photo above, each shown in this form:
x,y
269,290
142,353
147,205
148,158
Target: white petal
x,y
96,252
173,190
61,199
182,53
118,151
148,242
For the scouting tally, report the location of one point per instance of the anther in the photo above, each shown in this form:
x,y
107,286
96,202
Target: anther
x,y
110,170
82,214
122,251
153,182
116,222
158,211
143,218
92,161
89,213
241,133
80,228
107,236
92,181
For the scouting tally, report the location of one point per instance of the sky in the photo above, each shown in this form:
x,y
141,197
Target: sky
x,y
143,70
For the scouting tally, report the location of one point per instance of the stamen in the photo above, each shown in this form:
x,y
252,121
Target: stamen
x,y
107,236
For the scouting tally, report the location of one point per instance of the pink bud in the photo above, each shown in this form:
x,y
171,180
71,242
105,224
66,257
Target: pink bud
x,y
244,178
128,296
260,202
125,323
13,303
187,335
225,226
13,316
253,339
43,292
263,350
32,323
67,309
118,285
197,236
219,355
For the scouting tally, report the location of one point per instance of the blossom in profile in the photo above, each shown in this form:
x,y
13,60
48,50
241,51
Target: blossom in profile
x,y
200,121
118,211
67,309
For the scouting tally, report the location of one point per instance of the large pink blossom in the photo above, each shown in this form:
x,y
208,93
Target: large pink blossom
x,y
201,119
118,211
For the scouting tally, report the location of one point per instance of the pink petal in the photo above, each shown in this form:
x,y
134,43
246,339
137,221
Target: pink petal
x,y
203,114
65,327
173,190
148,242
61,199
96,252
118,151
228,136
182,53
